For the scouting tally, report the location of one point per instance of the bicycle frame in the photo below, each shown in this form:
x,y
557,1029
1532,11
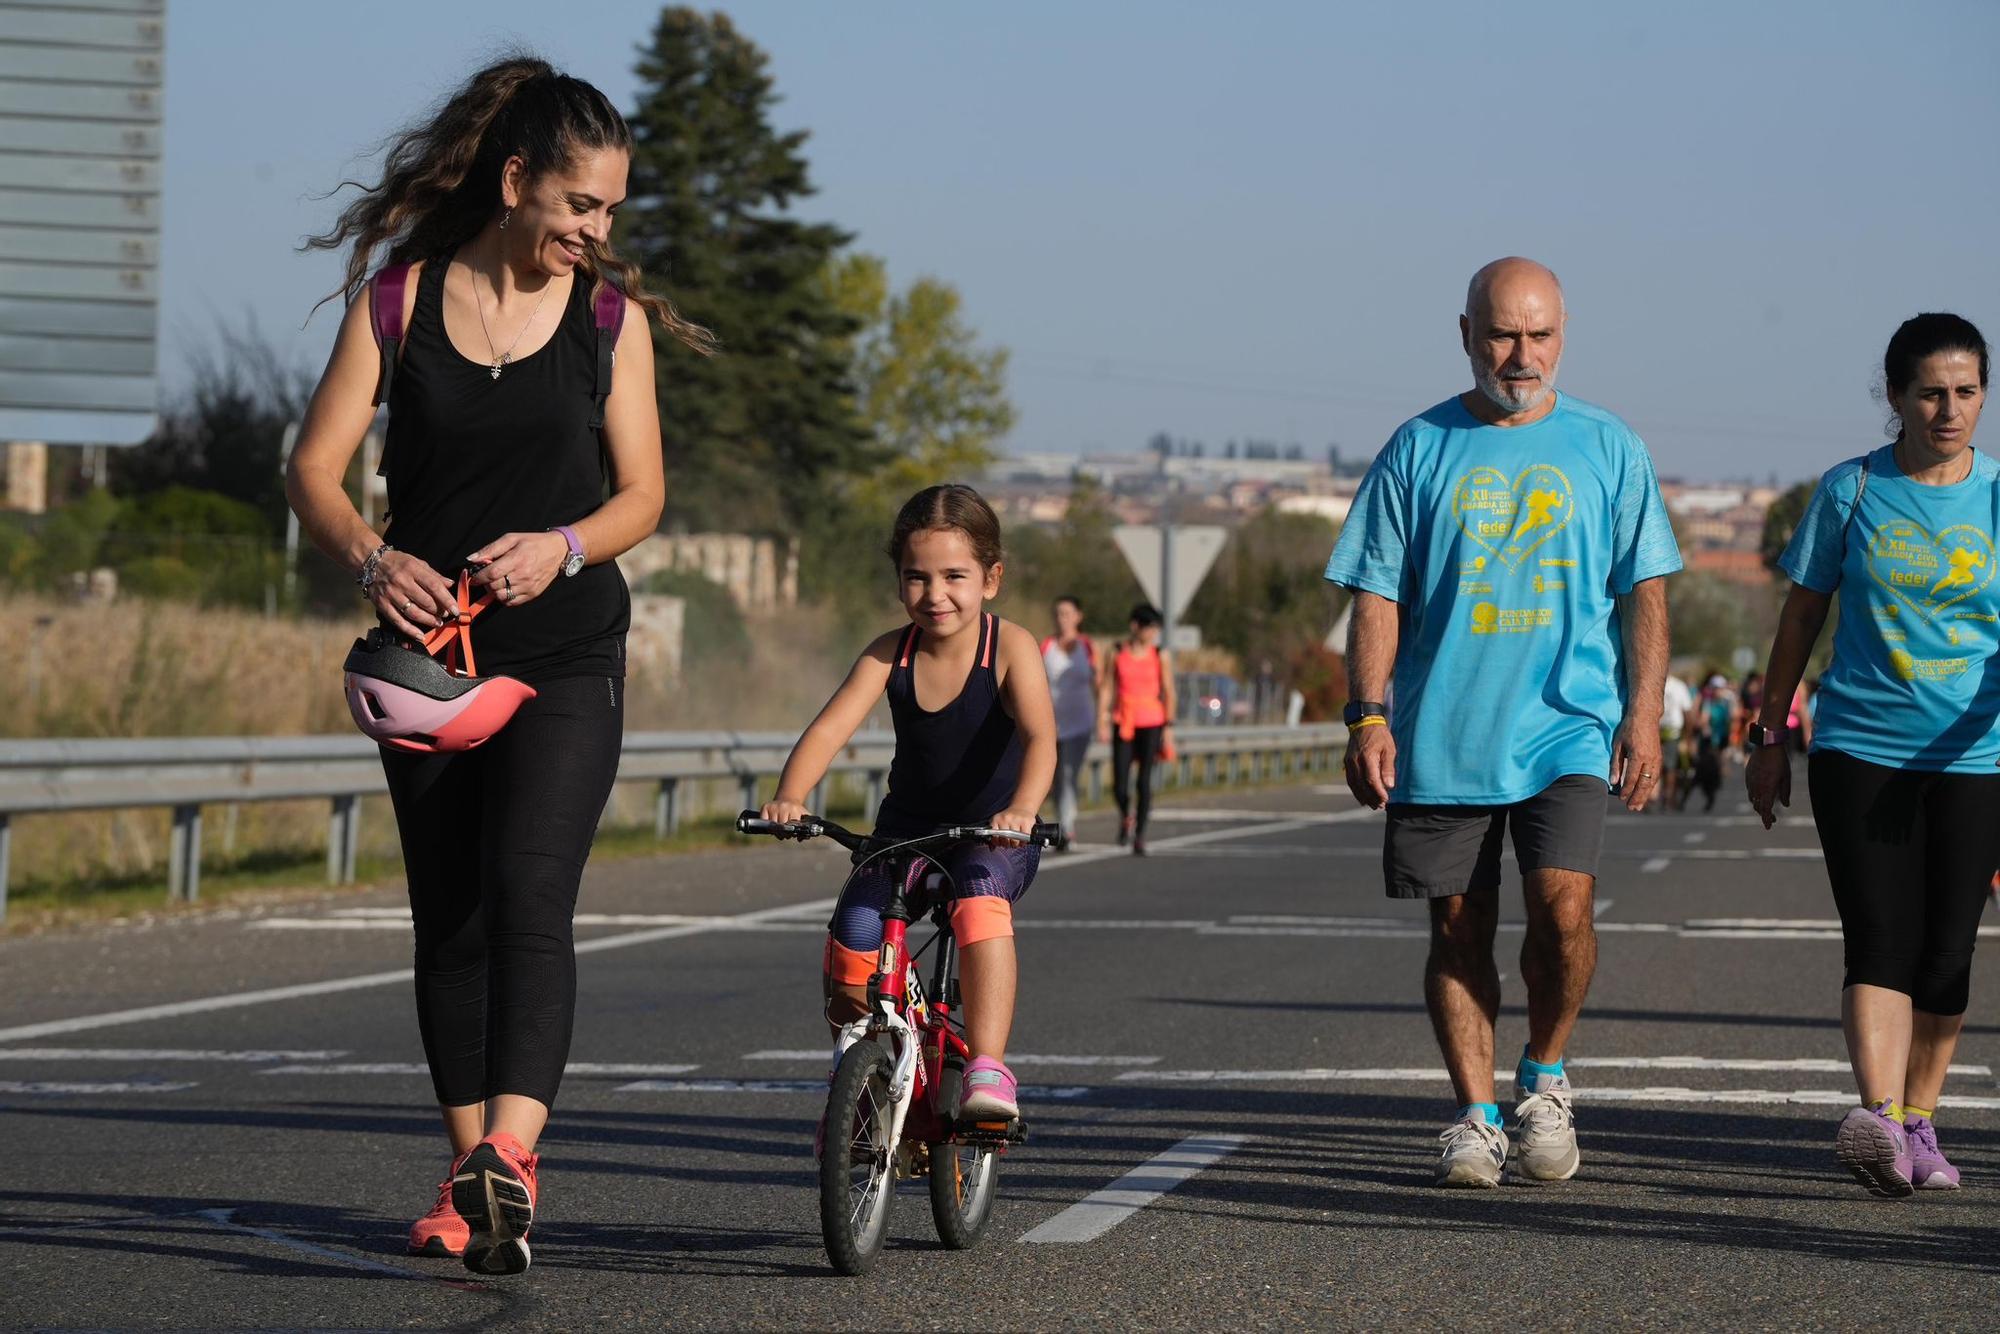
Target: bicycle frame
x,y
924,1037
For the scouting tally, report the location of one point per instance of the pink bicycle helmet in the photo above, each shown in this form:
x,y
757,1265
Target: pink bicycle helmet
x,y
403,696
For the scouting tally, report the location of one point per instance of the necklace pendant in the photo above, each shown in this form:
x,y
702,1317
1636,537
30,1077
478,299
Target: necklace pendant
x,y
498,364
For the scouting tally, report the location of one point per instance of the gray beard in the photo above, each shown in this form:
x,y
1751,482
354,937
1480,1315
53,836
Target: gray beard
x,y
1506,394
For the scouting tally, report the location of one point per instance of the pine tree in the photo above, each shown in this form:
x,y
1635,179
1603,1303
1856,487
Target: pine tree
x,y
753,435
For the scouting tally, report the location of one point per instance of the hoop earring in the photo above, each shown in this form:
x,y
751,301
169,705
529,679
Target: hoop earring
x,y
505,218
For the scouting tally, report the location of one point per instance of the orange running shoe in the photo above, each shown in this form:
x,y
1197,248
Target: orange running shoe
x,y
441,1232
494,1191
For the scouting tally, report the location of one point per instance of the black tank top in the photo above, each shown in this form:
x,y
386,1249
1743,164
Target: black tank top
x,y
472,457
959,764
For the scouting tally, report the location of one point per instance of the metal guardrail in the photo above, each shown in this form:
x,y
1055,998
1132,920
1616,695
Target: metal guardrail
x,y
184,774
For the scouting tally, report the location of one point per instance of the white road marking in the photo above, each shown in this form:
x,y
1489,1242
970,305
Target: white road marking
x,y
66,1086
1437,1074
1601,907
417,1068
1211,815
227,1218
1655,865
821,1054
332,986
1696,837
157,1054
1100,1211
581,919
1114,923
816,1087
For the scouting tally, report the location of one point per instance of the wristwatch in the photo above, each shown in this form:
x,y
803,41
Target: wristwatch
x,y
1357,709
1761,735
574,561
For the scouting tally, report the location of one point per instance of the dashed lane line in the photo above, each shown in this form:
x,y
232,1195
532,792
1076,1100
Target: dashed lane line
x,y
1100,1211
159,1054
817,1088
1013,1058
336,985
73,1087
581,1068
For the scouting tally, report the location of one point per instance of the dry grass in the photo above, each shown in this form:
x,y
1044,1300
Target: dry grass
x,y
150,669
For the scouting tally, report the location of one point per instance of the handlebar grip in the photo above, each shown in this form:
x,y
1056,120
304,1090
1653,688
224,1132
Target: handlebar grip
x,y
1047,834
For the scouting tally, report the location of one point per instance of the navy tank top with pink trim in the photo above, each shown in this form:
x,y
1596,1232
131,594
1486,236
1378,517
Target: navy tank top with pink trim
x,y
956,765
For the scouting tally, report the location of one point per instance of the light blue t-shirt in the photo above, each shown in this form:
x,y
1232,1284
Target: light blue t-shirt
x,y
1506,548
1914,682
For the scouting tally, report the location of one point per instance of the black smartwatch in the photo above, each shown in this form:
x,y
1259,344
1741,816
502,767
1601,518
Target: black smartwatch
x,y
1357,709
1761,735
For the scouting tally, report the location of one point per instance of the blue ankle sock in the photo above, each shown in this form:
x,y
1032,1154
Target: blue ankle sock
x,y
1489,1111
1526,1071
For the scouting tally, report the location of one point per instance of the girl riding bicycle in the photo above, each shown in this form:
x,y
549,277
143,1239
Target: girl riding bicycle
x,y
975,744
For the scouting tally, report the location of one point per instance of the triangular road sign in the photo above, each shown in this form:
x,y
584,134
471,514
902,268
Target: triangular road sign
x,y
1195,548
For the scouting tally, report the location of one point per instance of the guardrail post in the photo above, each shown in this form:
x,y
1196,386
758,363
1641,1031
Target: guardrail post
x,y
816,803
184,855
1096,781
747,790
6,847
871,801
667,809
343,839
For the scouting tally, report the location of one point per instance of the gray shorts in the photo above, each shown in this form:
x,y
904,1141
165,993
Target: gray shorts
x,y
1435,852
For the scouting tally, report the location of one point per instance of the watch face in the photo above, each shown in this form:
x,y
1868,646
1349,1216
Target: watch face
x,y
573,563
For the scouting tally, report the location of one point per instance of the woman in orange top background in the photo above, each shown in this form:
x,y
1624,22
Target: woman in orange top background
x,y
1136,715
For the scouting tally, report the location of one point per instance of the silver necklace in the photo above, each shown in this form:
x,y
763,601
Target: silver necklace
x,y
500,359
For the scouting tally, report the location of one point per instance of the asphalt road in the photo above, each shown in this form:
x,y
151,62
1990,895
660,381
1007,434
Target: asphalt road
x,y
223,1122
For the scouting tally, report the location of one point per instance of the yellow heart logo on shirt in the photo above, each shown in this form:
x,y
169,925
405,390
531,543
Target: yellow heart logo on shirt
x,y
1930,573
1512,519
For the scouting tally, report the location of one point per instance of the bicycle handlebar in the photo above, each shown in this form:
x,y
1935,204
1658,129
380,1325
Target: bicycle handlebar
x,y
750,822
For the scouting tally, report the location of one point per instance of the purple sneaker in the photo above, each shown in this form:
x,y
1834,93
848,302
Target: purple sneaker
x,y
1876,1150
1929,1167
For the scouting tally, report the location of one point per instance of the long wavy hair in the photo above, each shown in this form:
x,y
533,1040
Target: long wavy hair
x,y
441,178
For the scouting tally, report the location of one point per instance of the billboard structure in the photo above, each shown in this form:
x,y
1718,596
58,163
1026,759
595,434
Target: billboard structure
x,y
80,133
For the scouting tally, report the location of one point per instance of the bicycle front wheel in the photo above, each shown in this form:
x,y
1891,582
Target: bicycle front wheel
x,y
964,1178
857,1167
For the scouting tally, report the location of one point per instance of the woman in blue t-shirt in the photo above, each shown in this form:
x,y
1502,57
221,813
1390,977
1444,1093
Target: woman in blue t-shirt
x,y
1907,736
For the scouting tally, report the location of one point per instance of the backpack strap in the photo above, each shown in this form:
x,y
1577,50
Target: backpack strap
x,y
1860,490
385,309
608,314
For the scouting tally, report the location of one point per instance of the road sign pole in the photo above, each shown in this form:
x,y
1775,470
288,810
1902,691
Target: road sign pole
x,y
1166,577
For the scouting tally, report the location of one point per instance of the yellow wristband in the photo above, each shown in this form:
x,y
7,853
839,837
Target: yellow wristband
x,y
1372,720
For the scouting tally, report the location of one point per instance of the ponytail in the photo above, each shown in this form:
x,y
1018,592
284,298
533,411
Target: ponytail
x,y
441,178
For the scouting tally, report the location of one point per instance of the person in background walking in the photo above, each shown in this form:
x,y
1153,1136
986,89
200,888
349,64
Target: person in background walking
x,y
1674,709
1136,715
1075,680
1902,769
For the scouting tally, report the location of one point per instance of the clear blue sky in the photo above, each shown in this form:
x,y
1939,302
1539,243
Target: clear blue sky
x,y
1251,220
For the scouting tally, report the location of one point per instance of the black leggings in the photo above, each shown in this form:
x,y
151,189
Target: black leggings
x,y
494,841
1143,749
1911,856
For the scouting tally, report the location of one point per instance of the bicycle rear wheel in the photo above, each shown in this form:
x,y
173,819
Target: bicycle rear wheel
x,y
964,1179
857,1168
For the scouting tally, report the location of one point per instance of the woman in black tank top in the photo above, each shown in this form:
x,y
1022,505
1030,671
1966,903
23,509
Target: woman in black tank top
x,y
499,208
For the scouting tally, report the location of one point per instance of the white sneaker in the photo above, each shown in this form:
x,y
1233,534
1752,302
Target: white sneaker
x,y
1475,1151
1545,1130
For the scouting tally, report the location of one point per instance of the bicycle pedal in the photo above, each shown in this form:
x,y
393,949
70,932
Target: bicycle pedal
x,y
993,1132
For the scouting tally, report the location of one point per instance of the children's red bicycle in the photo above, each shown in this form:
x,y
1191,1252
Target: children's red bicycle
x,y
892,1108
